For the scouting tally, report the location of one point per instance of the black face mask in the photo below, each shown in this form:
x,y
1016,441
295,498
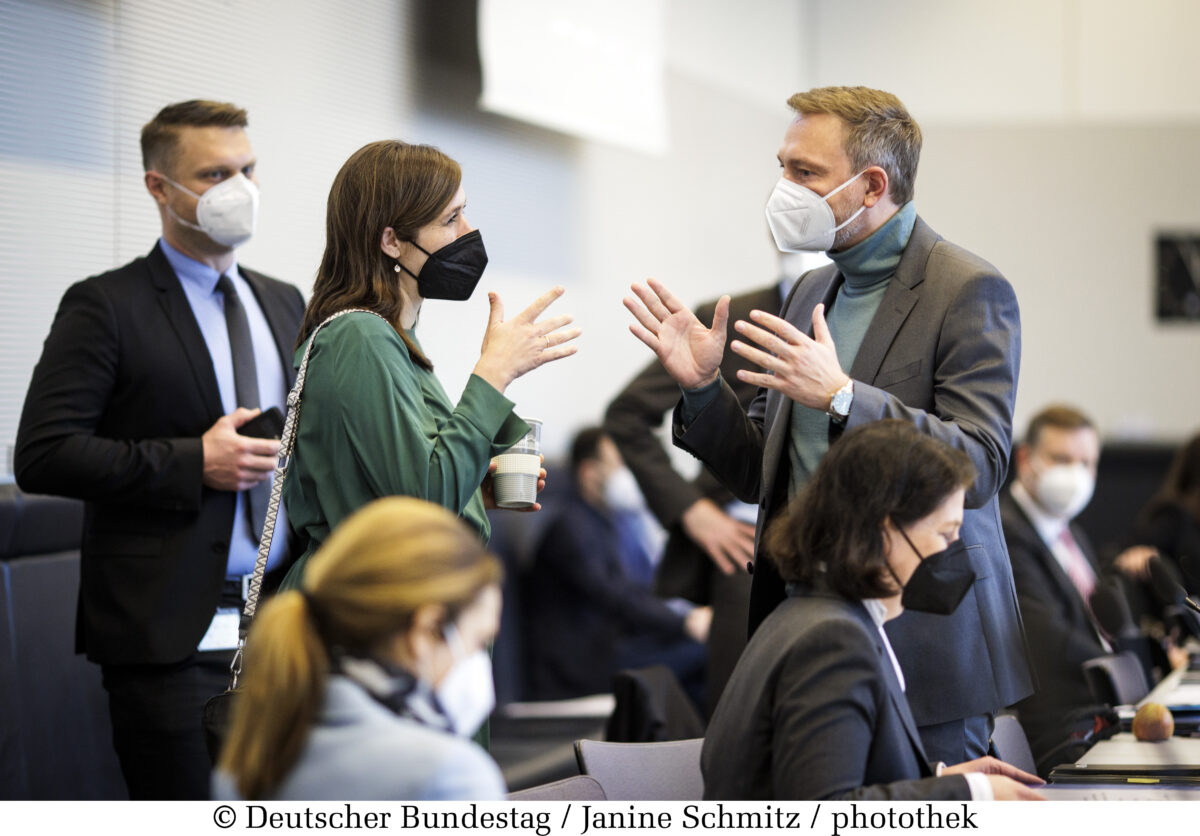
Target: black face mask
x,y
941,581
452,272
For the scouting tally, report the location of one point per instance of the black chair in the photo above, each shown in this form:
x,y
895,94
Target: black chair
x,y
651,706
55,736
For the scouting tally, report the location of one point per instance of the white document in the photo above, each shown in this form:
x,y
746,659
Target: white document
x,y
223,631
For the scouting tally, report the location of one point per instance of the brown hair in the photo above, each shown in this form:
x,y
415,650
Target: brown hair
x,y
160,135
1181,488
1058,416
386,183
362,588
832,534
879,131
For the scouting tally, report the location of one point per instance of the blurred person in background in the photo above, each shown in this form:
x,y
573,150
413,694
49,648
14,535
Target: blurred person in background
x,y
1056,569
1170,522
589,609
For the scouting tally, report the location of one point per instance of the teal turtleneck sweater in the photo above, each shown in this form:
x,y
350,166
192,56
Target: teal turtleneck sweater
x,y
866,268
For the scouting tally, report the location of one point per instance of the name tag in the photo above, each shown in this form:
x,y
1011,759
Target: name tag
x,y
223,631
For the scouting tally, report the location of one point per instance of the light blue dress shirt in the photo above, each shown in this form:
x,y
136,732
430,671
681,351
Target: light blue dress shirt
x,y
199,283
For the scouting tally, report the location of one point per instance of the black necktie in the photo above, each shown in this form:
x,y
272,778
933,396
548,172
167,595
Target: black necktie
x,y
245,385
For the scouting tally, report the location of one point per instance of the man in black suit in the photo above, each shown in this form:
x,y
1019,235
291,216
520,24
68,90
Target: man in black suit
x,y
709,542
1054,566
146,377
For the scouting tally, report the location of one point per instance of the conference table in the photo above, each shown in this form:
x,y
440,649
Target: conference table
x,y
1125,768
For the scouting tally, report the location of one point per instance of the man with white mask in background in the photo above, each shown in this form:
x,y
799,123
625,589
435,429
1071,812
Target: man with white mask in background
x,y
586,599
1055,567
141,405
904,325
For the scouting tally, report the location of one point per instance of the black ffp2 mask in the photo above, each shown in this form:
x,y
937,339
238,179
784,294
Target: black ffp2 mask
x,y
453,271
940,583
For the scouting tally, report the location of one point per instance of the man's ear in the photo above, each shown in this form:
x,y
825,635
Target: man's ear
x,y
157,186
1022,457
877,185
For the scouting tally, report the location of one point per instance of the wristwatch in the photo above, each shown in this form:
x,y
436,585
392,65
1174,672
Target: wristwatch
x,y
839,404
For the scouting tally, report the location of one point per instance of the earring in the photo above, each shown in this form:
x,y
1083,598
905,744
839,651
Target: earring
x,y
397,267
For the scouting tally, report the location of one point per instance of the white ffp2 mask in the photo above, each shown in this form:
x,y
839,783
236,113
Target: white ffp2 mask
x,y
801,220
1064,490
467,693
225,213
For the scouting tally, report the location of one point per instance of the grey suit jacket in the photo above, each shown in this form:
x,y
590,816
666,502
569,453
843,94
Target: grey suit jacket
x,y
943,352
814,710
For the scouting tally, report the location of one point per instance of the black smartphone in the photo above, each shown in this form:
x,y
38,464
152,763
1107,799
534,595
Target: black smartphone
x,y
267,424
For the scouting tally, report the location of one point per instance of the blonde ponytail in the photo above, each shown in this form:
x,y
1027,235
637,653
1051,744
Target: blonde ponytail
x,y
284,683
359,591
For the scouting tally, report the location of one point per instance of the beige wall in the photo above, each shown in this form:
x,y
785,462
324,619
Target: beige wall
x,y
1069,214
1060,134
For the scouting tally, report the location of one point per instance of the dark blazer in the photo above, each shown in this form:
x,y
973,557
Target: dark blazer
x,y
813,711
686,570
638,411
1061,634
577,601
942,352
116,407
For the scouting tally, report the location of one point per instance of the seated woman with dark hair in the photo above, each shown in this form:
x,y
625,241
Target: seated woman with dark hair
x,y
815,707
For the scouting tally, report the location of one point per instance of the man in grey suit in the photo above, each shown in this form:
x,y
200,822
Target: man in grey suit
x,y
930,334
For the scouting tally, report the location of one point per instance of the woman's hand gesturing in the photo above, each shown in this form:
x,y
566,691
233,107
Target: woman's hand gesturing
x,y
518,345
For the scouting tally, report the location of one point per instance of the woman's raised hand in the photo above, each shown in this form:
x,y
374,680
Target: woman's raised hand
x,y
518,345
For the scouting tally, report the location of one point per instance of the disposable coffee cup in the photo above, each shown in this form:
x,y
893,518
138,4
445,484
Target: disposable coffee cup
x,y
514,484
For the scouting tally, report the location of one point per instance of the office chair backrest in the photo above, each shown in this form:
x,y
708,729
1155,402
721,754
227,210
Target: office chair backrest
x,y
575,788
1116,679
663,771
1011,745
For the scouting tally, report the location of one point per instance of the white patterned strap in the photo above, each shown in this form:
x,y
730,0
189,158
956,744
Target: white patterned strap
x,y
286,445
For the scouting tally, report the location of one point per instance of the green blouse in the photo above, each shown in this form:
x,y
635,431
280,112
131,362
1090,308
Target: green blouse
x,y
372,423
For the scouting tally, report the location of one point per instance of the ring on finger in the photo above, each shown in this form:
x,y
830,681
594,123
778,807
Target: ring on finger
x,y
547,339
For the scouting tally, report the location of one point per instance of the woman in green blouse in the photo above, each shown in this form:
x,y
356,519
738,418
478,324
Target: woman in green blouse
x,y
374,420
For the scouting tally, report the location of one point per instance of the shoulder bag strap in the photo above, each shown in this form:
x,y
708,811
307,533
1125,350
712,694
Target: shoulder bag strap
x,y
286,445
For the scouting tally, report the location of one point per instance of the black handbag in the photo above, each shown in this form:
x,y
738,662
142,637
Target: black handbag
x,y
218,710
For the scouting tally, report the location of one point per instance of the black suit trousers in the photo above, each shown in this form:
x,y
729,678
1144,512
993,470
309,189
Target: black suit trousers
x,y
156,713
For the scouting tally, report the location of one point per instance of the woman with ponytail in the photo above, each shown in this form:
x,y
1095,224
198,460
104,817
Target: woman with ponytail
x,y
367,680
